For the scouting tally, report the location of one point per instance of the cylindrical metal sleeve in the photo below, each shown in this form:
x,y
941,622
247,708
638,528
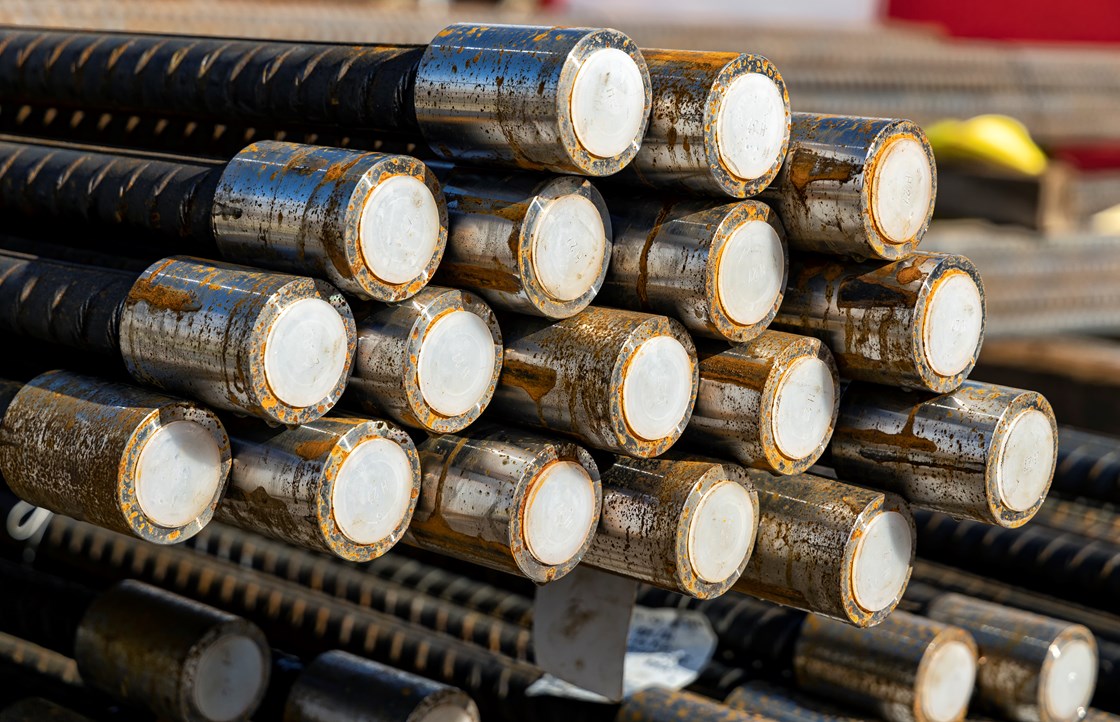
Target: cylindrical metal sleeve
x,y
301,209
283,483
944,453
73,191
809,533
338,685
888,670
1018,654
659,704
681,147
73,443
667,259
648,507
827,191
782,705
386,374
491,244
875,316
363,86
512,103
150,647
64,303
475,493
1088,466
568,376
737,402
201,328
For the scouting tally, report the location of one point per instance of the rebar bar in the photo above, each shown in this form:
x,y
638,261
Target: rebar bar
x,y
658,704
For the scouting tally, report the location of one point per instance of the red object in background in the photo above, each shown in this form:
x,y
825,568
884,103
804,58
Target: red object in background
x,y
1096,21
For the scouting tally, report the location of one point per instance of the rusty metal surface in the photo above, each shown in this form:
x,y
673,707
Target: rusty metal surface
x,y
199,328
493,216
872,315
648,505
938,452
808,533
783,705
72,444
737,398
825,193
680,150
474,493
282,483
567,376
666,258
657,704
1081,519
385,378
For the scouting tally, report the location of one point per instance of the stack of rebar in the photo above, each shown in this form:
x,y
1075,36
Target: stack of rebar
x,y
616,308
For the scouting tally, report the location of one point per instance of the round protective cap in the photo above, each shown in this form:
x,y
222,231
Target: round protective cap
x,y
720,532
178,473
306,352
751,125
903,189
882,561
803,405
953,323
399,229
456,363
372,491
1070,679
229,678
750,273
1025,461
446,713
946,684
608,102
560,512
657,388
568,244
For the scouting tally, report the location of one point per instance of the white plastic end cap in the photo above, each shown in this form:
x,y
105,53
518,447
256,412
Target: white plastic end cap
x,y
399,229
568,245
372,491
953,323
229,678
803,405
1025,462
178,473
608,102
947,683
306,352
720,532
560,512
456,363
903,188
751,269
882,561
657,388
751,125
446,713
1071,679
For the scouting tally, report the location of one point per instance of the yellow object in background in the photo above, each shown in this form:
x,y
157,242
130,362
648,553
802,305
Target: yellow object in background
x,y
998,141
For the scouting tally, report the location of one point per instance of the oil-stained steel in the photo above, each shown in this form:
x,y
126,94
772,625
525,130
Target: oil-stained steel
x,y
782,705
660,516
480,494
982,452
347,486
83,447
571,376
373,224
338,685
659,704
916,323
860,187
769,403
719,268
390,366
1032,668
203,329
525,243
810,552
906,669
535,97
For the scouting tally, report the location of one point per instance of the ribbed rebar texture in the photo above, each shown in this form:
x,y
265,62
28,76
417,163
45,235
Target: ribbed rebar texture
x,y
1088,466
